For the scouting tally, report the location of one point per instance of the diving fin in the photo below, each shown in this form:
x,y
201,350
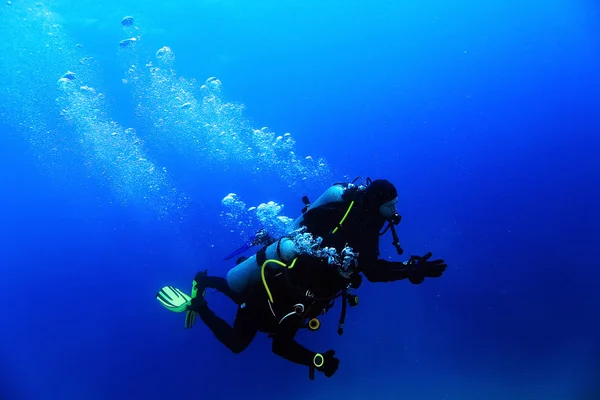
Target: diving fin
x,y
173,299
190,319
190,316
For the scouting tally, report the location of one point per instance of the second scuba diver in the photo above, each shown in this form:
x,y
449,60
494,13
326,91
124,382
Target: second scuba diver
x,y
287,284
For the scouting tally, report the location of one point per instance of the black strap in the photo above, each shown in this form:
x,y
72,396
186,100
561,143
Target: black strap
x,y
343,314
279,248
386,229
396,241
261,256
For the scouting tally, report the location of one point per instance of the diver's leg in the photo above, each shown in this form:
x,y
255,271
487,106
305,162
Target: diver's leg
x,y
237,338
218,283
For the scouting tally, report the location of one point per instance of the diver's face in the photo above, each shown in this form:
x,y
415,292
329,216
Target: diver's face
x,y
388,210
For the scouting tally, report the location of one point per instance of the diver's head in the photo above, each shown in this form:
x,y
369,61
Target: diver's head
x,y
381,198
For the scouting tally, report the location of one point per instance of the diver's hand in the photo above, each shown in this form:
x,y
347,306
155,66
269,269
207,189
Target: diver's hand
x,y
423,268
198,304
326,363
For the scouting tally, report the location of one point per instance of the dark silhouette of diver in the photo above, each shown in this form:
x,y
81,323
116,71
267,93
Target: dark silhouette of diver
x,y
279,291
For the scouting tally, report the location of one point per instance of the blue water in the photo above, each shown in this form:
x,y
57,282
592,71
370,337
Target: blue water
x,y
485,115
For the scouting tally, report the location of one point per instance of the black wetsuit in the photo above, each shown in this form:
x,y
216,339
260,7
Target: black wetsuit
x,y
255,313
278,318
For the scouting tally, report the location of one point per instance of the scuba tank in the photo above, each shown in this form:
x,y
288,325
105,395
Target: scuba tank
x,y
248,272
332,195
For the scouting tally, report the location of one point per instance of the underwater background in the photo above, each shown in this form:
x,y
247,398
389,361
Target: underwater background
x,y
135,153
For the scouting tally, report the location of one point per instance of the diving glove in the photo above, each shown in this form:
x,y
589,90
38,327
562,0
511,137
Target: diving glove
x,y
423,268
326,363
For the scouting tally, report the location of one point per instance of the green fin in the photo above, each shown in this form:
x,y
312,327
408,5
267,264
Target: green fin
x,y
190,319
173,299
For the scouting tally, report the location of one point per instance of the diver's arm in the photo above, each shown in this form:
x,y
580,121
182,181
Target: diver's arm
x,y
285,346
389,271
416,269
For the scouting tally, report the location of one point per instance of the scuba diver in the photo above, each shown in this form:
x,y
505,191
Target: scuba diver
x,y
287,284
